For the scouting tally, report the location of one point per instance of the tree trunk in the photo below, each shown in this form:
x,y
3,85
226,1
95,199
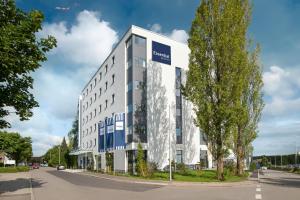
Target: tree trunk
x,y
220,168
239,154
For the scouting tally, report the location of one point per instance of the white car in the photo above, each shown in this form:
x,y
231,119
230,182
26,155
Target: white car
x,y
264,168
60,167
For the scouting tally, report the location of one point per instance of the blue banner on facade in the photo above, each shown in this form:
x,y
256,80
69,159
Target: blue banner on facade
x,y
101,136
161,53
120,131
109,124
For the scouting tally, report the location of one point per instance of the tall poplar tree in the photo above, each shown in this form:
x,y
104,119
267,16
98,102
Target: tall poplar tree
x,y
217,67
249,105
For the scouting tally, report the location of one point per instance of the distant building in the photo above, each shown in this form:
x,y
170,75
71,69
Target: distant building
x,y
134,97
5,160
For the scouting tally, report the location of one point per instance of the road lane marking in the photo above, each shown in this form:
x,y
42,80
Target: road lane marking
x,y
257,196
258,190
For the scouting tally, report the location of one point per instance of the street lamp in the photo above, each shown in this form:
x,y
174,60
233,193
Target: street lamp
x,y
170,164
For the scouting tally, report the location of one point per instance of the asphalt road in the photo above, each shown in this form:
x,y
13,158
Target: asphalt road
x,y
49,184
279,185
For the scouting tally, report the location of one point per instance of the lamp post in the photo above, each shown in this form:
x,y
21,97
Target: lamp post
x,y
170,163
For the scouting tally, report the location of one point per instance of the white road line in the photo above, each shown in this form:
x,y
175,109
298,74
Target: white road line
x,y
257,196
258,190
31,191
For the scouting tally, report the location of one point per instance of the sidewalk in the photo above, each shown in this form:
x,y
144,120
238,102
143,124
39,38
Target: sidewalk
x,y
250,181
15,186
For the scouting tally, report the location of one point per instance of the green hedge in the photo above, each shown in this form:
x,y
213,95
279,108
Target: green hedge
x,y
14,169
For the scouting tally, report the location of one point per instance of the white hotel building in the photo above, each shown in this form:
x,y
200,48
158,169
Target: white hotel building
x,y
133,98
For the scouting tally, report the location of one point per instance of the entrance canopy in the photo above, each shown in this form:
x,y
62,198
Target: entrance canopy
x,y
79,151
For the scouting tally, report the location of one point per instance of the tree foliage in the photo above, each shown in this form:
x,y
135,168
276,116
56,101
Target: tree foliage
x,y
141,163
73,135
218,71
21,53
17,147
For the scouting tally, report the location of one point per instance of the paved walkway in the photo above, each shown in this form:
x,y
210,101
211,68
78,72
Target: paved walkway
x,y
15,186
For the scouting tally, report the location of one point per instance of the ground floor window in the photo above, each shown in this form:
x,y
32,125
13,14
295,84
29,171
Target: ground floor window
x,y
203,159
178,156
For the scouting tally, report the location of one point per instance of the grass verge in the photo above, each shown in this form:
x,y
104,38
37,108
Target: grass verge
x,y
14,169
190,176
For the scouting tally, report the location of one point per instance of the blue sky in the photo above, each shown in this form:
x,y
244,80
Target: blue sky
x,y
87,30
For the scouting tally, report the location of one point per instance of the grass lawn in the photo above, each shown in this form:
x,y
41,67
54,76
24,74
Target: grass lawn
x,y
192,176
14,169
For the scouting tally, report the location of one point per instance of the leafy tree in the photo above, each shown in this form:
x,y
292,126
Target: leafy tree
x,y
73,135
217,65
109,158
64,145
141,164
21,53
17,147
249,107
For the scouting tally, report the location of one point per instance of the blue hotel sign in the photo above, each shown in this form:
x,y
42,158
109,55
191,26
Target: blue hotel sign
x,y
161,53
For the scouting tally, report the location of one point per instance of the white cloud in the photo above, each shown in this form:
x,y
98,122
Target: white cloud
x,y
178,35
279,127
89,41
82,47
281,88
156,28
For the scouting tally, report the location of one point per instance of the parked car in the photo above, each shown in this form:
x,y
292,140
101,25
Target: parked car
x,y
35,166
60,167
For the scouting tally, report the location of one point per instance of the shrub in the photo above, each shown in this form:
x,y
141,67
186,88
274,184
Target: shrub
x,y
229,168
182,169
151,167
252,166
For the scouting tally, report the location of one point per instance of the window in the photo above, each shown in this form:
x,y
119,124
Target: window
x,y
95,97
83,108
83,121
95,82
106,69
100,92
87,91
178,156
87,145
91,143
100,108
95,113
91,129
91,87
105,85
90,115
83,134
87,131
113,60
94,142
95,127
113,79
87,105
139,41
87,118
113,99
106,103
91,100
100,76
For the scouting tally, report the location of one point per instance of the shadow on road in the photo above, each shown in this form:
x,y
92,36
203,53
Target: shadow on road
x,y
282,181
89,181
17,184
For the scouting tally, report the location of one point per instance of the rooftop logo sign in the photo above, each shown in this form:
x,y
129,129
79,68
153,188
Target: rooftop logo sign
x,y
161,53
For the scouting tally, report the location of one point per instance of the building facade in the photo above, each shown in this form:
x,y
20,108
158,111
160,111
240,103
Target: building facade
x,y
134,98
